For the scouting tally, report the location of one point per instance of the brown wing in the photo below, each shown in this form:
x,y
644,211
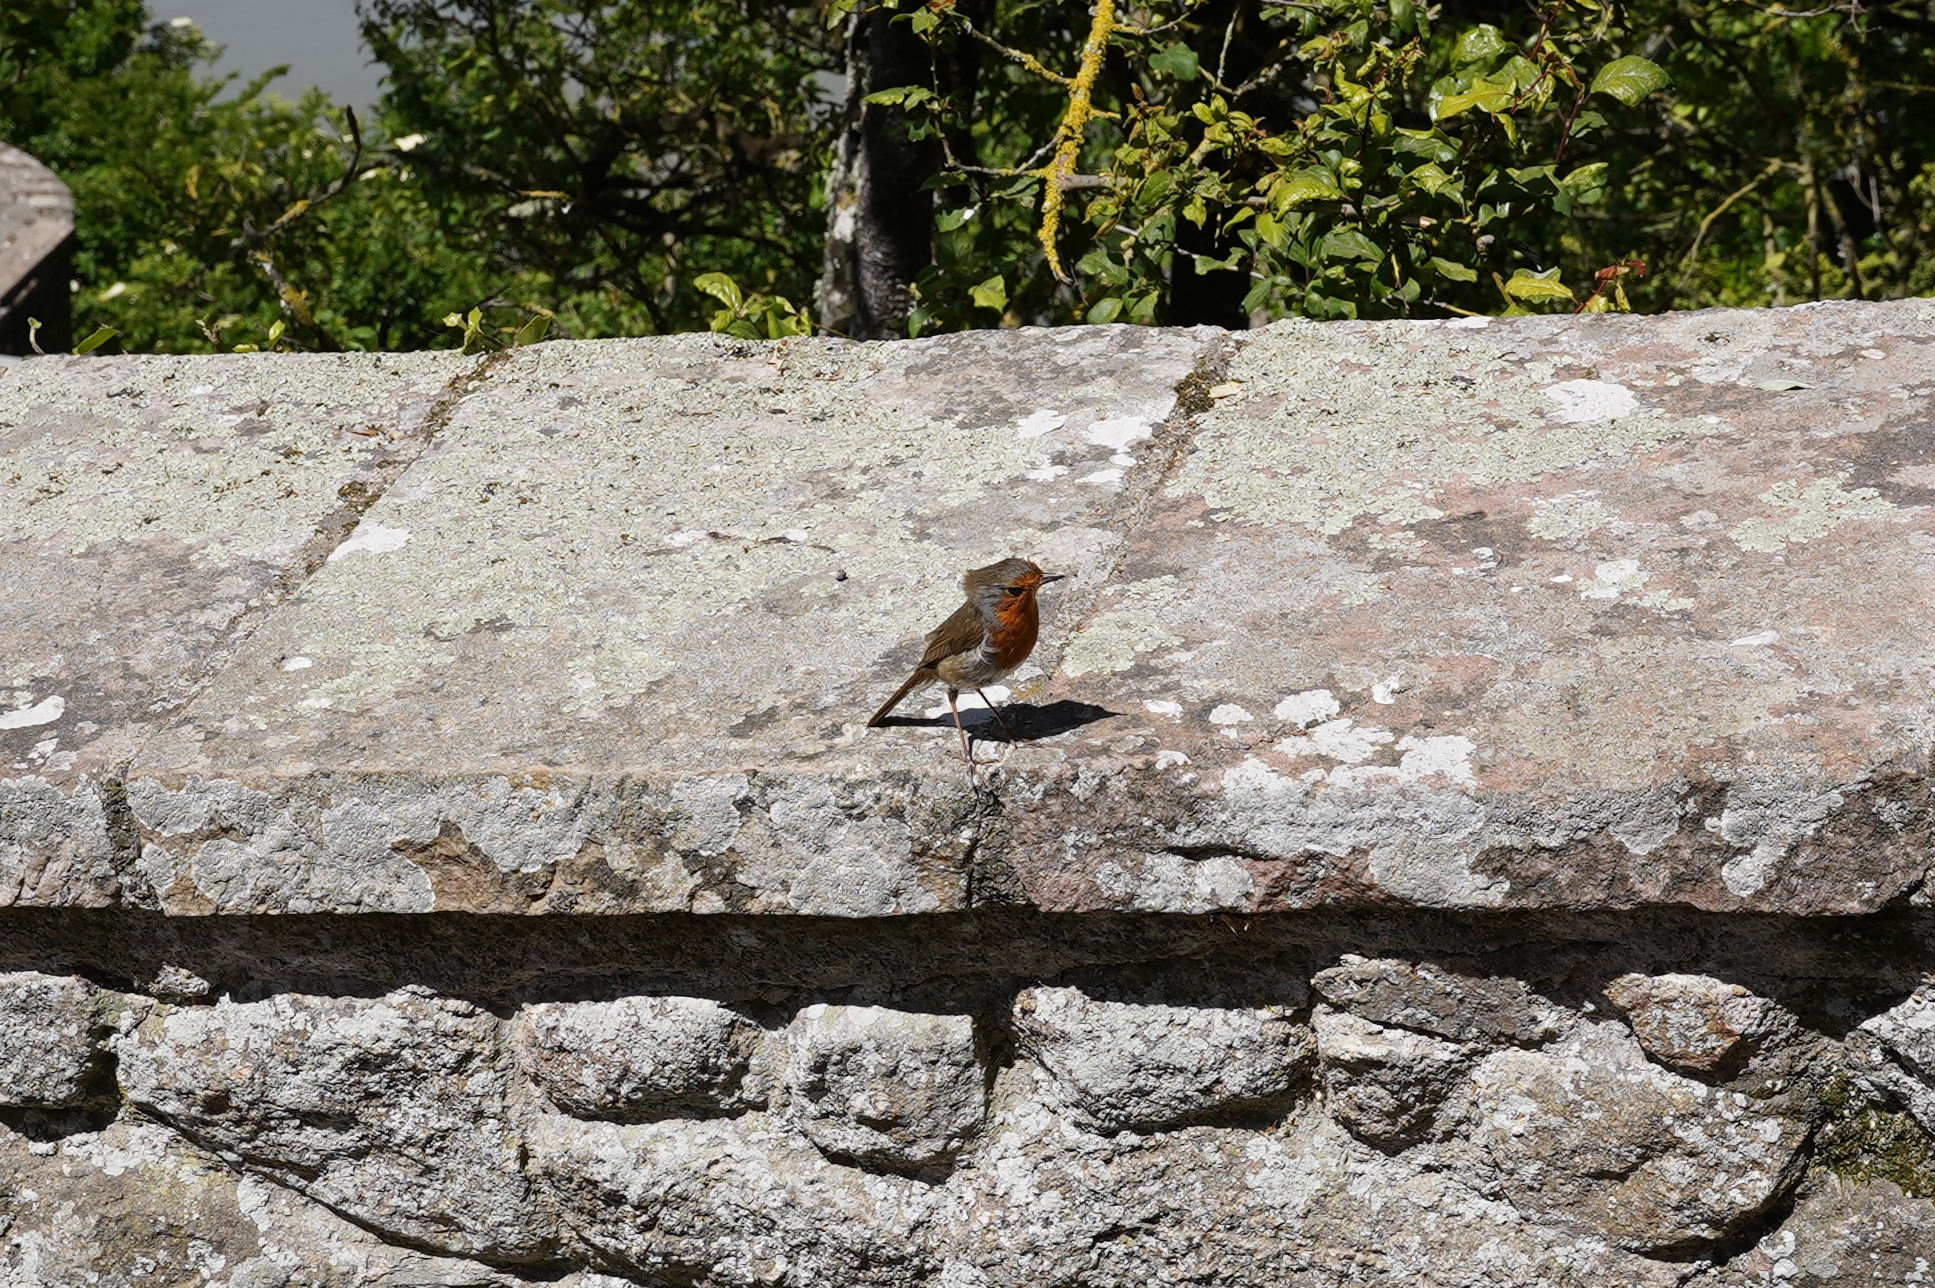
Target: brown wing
x,y
957,634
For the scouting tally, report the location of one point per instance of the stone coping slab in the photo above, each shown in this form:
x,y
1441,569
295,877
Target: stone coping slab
x,y
1561,613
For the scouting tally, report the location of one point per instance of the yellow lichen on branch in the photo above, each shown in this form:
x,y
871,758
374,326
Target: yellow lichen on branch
x,y
1068,139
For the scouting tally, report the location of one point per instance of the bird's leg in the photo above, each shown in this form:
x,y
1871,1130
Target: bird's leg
x,y
966,750
1005,726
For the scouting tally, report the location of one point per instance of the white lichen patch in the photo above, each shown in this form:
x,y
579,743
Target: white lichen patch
x,y
45,711
372,538
1342,740
1613,578
1573,514
1229,713
1371,422
1577,402
1113,640
1307,708
1818,508
1035,424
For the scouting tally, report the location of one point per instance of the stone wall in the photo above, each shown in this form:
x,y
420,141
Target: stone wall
x,y
36,255
1468,823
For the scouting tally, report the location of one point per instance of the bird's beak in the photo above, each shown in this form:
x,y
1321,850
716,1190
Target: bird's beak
x,y
1052,576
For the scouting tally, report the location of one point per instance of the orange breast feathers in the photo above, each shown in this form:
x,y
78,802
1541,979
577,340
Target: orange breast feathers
x,y
1011,637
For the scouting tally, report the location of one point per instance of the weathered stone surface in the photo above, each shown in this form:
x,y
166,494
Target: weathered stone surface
x,y
637,1057
1118,1066
1539,613
1589,1131
1692,1022
151,508
393,1112
1842,1233
732,1202
51,1028
1893,1053
133,1204
1427,998
1502,684
885,1088
1384,1085
724,503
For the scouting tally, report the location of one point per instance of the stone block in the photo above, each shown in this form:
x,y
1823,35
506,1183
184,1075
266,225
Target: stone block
x,y
889,1089
51,1028
637,1057
1693,1023
1118,1066
394,1112
1427,998
1384,1085
1589,1131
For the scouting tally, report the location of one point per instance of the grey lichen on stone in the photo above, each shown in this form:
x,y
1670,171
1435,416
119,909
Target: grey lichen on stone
x,y
1117,1065
638,1057
896,1090
392,1111
1694,1023
1384,1085
51,1031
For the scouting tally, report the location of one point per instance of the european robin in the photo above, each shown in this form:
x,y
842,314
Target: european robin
x,y
988,636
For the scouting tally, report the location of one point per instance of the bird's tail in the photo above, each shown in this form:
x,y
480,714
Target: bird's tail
x,y
920,676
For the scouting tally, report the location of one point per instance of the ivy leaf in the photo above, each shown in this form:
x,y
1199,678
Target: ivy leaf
x,y
1314,184
1477,45
96,340
531,332
721,288
1179,60
1546,286
1488,96
1453,272
837,11
991,294
1105,310
1629,79
1348,243
1432,179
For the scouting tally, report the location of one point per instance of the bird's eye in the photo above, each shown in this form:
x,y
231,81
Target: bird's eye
x,y
1012,590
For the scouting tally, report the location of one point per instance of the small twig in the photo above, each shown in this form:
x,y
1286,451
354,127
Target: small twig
x,y
1019,56
1774,167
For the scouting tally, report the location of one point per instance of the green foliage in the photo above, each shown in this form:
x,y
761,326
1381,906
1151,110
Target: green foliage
x,y
620,150
752,317
1391,189
581,168
1359,158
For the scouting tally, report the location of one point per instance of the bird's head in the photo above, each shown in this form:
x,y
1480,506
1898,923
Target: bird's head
x,y
1005,588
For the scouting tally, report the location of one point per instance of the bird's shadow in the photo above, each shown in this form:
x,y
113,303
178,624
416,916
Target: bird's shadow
x,y
1027,722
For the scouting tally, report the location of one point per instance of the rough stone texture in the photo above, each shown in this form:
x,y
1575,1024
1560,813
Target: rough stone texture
x,y
1426,997
1470,824
637,1057
1842,1233
1590,1132
885,1088
392,1111
1384,1085
1529,613
1893,1053
1126,1066
1691,1022
50,1038
391,1138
